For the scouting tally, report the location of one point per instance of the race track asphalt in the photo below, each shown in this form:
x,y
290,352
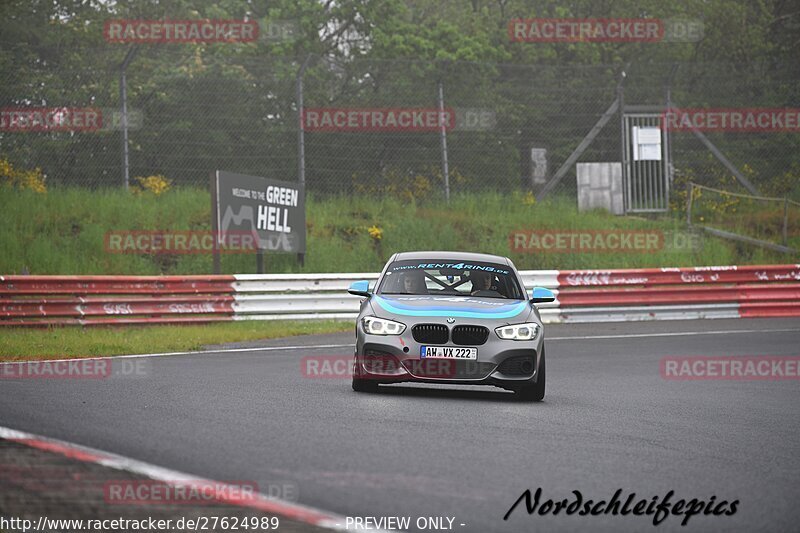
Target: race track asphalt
x,y
609,421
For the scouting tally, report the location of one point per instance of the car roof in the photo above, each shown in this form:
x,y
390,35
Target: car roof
x,y
451,256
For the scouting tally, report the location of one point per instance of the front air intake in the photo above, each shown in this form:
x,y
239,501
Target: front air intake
x,y
517,366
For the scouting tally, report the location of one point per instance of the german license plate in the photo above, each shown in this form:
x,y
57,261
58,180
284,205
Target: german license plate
x,y
448,352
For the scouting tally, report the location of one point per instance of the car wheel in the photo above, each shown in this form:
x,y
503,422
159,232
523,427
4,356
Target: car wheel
x,y
535,392
365,385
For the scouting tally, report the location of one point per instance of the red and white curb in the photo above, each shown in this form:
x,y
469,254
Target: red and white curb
x,y
222,492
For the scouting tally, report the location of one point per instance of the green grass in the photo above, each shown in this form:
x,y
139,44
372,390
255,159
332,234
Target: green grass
x,y
21,344
62,232
748,217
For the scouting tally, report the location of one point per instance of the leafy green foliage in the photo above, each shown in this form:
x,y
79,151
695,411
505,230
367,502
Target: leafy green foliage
x,y
64,232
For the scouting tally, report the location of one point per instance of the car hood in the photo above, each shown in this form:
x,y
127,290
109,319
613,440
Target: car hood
x,y
449,306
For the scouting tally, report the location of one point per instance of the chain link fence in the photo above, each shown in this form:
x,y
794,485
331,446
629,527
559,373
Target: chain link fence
x,y
192,110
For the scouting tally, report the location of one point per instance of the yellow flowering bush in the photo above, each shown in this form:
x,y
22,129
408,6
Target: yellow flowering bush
x,y
157,184
33,179
784,184
719,202
408,186
529,199
375,232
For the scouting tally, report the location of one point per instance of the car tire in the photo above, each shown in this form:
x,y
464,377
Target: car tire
x,y
365,385
535,392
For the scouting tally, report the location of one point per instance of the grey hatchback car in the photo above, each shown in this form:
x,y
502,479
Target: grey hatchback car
x,y
450,317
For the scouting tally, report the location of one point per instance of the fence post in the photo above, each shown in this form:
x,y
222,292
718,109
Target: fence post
x,y
689,206
443,139
215,259
667,132
785,221
123,96
301,139
623,148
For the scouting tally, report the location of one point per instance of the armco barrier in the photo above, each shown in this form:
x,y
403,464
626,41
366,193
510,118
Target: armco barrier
x,y
581,296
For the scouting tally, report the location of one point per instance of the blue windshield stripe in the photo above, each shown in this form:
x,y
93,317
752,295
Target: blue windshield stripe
x,y
506,311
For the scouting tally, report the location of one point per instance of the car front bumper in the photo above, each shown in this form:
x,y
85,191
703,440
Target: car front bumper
x,y
396,358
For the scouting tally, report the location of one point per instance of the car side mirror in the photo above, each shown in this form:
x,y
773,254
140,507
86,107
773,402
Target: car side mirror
x,y
540,295
360,288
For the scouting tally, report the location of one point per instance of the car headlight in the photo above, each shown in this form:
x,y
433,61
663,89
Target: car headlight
x,y
519,332
382,326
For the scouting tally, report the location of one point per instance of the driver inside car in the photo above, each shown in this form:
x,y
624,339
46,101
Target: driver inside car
x,y
482,284
413,283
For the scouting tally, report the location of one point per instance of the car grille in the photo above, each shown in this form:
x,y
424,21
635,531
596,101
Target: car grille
x,y
517,366
470,335
448,369
430,333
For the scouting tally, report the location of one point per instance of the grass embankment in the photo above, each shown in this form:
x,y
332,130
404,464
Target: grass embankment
x,y
63,232
20,344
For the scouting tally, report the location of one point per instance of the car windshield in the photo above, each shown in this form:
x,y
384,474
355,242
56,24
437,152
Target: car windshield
x,y
451,278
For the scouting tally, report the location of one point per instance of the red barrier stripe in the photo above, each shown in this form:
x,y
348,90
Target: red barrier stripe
x,y
113,287
679,276
156,298
771,309
126,279
678,295
114,321
51,309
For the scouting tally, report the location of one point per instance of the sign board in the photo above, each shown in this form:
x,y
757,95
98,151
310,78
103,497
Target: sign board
x,y
539,165
274,210
600,186
646,144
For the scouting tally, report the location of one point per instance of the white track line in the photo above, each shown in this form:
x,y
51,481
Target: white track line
x,y
321,346
260,502
672,334
197,352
